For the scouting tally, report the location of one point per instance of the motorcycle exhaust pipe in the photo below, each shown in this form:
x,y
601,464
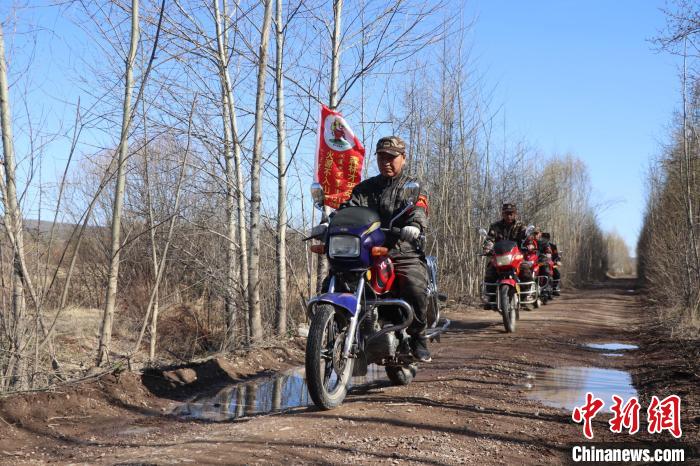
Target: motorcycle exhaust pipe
x,y
392,302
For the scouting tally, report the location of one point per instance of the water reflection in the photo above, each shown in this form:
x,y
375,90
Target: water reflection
x,y
612,346
566,387
273,394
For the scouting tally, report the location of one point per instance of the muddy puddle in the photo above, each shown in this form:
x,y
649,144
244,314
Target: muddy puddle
x,y
566,387
261,396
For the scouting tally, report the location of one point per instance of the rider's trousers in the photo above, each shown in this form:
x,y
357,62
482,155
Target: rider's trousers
x,y
412,273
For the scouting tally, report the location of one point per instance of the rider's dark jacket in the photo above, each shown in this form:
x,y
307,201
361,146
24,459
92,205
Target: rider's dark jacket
x,y
383,194
500,231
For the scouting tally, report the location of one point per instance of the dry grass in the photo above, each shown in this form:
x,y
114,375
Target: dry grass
x,y
76,334
680,325
78,323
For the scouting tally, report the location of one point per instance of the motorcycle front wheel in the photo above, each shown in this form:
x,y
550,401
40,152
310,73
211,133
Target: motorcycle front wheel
x,y
538,300
327,372
507,308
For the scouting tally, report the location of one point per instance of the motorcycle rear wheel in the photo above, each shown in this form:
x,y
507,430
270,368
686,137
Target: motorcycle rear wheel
x,y
507,308
322,360
401,375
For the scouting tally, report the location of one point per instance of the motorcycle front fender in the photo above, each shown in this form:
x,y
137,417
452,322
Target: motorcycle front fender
x,y
510,282
346,301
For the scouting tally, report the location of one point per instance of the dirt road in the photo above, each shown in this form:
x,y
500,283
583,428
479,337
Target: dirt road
x,y
482,400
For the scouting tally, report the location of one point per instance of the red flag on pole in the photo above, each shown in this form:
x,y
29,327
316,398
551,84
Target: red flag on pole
x,y
339,158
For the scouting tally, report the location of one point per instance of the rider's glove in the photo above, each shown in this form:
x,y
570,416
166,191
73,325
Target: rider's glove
x,y
488,246
410,233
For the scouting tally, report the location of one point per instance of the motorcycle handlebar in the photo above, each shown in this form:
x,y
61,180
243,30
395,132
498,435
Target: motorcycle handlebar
x,y
393,230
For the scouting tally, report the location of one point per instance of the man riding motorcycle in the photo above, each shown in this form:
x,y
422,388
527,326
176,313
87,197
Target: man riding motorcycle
x,y
508,228
383,194
531,243
545,243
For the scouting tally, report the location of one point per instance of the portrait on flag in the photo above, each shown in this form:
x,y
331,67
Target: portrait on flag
x,y
339,158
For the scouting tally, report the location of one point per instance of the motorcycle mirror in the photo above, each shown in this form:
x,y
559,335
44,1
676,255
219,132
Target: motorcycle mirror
x,y
411,191
317,194
482,232
529,230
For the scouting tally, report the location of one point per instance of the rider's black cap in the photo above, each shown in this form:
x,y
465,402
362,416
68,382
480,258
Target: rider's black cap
x,y
507,207
392,145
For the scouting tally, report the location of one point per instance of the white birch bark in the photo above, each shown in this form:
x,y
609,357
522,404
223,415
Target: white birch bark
x,y
13,226
281,314
255,227
237,248
111,298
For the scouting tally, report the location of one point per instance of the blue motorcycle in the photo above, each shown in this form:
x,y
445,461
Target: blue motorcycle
x,y
358,319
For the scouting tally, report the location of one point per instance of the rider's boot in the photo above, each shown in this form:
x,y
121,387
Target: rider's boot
x,y
419,348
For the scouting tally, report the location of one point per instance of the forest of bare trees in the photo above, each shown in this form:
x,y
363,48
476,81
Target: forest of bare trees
x,y
669,245
620,264
171,226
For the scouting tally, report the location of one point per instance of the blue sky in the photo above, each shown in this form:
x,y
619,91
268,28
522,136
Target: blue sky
x,y
583,77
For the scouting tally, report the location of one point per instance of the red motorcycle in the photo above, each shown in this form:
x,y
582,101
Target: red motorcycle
x,y
504,294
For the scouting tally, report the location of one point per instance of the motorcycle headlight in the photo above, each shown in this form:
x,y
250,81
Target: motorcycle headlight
x,y
505,259
344,246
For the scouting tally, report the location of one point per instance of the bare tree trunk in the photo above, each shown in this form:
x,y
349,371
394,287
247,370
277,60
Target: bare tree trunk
x,y
160,267
231,228
686,166
322,269
111,298
281,180
254,264
235,200
153,328
335,57
13,226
